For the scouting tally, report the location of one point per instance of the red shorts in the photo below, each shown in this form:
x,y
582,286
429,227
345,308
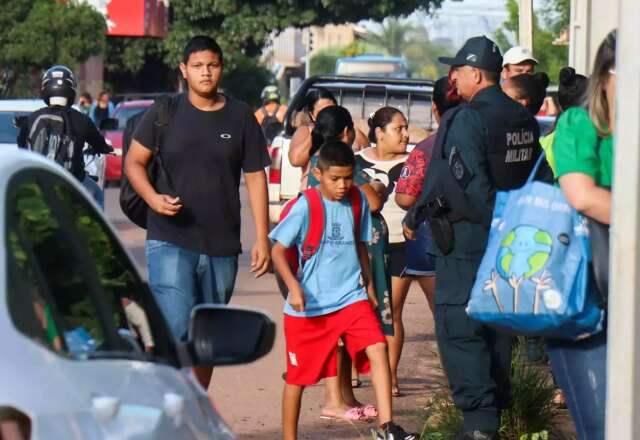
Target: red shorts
x,y
312,342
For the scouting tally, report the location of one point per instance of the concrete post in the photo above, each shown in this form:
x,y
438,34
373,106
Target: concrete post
x,y
623,350
525,24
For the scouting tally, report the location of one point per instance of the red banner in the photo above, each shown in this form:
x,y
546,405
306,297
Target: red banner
x,y
138,18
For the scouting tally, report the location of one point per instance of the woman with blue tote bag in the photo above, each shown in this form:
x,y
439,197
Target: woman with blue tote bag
x,y
583,149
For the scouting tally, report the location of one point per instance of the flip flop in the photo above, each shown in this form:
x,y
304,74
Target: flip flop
x,y
395,391
353,414
355,382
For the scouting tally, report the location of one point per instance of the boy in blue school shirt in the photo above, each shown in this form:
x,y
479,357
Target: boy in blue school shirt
x,y
329,302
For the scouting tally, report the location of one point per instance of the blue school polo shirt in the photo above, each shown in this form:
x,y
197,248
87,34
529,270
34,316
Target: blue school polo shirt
x,y
331,278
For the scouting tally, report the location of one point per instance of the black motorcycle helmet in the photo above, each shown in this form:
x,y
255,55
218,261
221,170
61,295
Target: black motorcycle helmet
x,y
59,81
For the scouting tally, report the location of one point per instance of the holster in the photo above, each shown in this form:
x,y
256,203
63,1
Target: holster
x,y
441,226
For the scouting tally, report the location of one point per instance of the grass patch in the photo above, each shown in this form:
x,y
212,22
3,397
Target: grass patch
x,y
532,415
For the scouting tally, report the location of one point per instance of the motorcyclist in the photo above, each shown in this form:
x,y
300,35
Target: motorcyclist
x,y
60,132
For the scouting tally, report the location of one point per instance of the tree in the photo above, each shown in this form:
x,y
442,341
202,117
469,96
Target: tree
x,y
402,38
324,61
37,34
393,36
243,27
547,25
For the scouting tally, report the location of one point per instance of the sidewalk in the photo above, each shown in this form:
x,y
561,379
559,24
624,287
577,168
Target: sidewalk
x,y
249,396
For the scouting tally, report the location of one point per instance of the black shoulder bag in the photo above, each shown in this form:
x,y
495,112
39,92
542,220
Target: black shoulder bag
x,y
132,205
599,241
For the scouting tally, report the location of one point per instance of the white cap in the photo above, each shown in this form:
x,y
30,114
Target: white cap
x,y
516,55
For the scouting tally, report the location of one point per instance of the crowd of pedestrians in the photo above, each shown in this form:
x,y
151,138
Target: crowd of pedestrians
x,y
387,217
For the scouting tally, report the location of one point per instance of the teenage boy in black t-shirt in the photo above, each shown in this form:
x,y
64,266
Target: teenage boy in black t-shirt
x,y
193,237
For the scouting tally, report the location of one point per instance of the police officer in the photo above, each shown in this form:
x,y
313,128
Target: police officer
x,y
489,143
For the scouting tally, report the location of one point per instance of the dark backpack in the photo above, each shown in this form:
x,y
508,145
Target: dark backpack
x,y
271,126
132,205
52,136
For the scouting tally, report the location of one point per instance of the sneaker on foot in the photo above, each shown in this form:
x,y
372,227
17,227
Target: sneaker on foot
x,y
391,431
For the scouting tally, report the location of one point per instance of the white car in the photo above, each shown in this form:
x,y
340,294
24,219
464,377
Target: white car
x,y
12,108
86,353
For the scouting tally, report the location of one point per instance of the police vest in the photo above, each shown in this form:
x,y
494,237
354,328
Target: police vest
x,y
512,145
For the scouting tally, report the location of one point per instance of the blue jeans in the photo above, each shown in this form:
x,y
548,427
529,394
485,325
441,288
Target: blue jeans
x,y
181,279
92,187
580,369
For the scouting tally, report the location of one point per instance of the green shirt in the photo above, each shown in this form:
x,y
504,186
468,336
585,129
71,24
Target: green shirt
x,y
578,149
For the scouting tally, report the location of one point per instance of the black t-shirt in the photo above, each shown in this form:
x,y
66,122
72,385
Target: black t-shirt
x,y
83,130
204,153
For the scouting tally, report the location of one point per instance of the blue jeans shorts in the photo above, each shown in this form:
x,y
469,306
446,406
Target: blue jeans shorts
x,y
419,262
181,279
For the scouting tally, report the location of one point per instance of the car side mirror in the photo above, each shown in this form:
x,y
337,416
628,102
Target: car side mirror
x,y
109,124
221,335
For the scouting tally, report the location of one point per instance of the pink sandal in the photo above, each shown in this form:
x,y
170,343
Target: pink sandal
x,y
353,414
369,411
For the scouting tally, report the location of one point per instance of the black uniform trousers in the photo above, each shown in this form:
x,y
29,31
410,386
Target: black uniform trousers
x,y
476,358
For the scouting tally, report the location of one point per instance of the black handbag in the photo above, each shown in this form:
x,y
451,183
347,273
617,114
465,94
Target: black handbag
x,y
132,205
599,241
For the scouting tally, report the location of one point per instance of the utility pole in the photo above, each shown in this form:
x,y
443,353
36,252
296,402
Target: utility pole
x,y
307,57
623,333
525,24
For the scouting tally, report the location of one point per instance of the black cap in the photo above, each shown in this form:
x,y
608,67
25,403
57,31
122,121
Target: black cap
x,y
478,52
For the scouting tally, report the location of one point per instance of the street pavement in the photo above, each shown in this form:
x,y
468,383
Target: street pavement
x,y
249,396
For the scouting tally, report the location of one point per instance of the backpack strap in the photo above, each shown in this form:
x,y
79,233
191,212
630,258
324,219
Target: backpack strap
x,y
315,231
165,111
355,198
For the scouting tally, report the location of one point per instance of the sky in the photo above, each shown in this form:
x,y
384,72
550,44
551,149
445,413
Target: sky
x,y
459,20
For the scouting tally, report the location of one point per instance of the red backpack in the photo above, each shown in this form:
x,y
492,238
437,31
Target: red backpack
x,y
315,231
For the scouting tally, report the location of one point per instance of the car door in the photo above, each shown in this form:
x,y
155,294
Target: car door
x,y
113,345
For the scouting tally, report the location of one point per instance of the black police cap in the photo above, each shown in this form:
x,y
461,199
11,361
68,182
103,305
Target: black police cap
x,y
478,52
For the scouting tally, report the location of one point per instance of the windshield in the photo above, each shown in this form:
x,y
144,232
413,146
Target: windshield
x,y
9,133
123,114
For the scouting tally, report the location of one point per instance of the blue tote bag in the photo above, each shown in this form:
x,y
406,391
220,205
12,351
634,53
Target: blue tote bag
x,y
534,278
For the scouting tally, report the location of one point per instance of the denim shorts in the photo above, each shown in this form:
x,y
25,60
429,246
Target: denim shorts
x,y
419,262
181,279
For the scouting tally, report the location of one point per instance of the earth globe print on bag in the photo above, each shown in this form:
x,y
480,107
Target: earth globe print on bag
x,y
534,278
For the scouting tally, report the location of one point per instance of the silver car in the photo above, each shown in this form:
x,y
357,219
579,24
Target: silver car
x,y
86,353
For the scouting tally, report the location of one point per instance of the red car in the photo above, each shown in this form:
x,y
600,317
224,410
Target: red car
x,y
122,113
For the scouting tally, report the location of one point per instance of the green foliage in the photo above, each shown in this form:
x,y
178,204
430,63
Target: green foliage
x,y
401,38
37,34
246,79
131,54
324,60
532,415
547,25
237,27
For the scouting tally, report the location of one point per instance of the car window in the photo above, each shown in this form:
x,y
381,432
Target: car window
x,y
71,273
9,133
123,114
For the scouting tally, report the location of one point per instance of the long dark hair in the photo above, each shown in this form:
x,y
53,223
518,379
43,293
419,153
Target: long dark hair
x,y
330,124
315,95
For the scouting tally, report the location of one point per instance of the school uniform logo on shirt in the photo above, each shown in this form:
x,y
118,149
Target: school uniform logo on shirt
x,y
336,232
